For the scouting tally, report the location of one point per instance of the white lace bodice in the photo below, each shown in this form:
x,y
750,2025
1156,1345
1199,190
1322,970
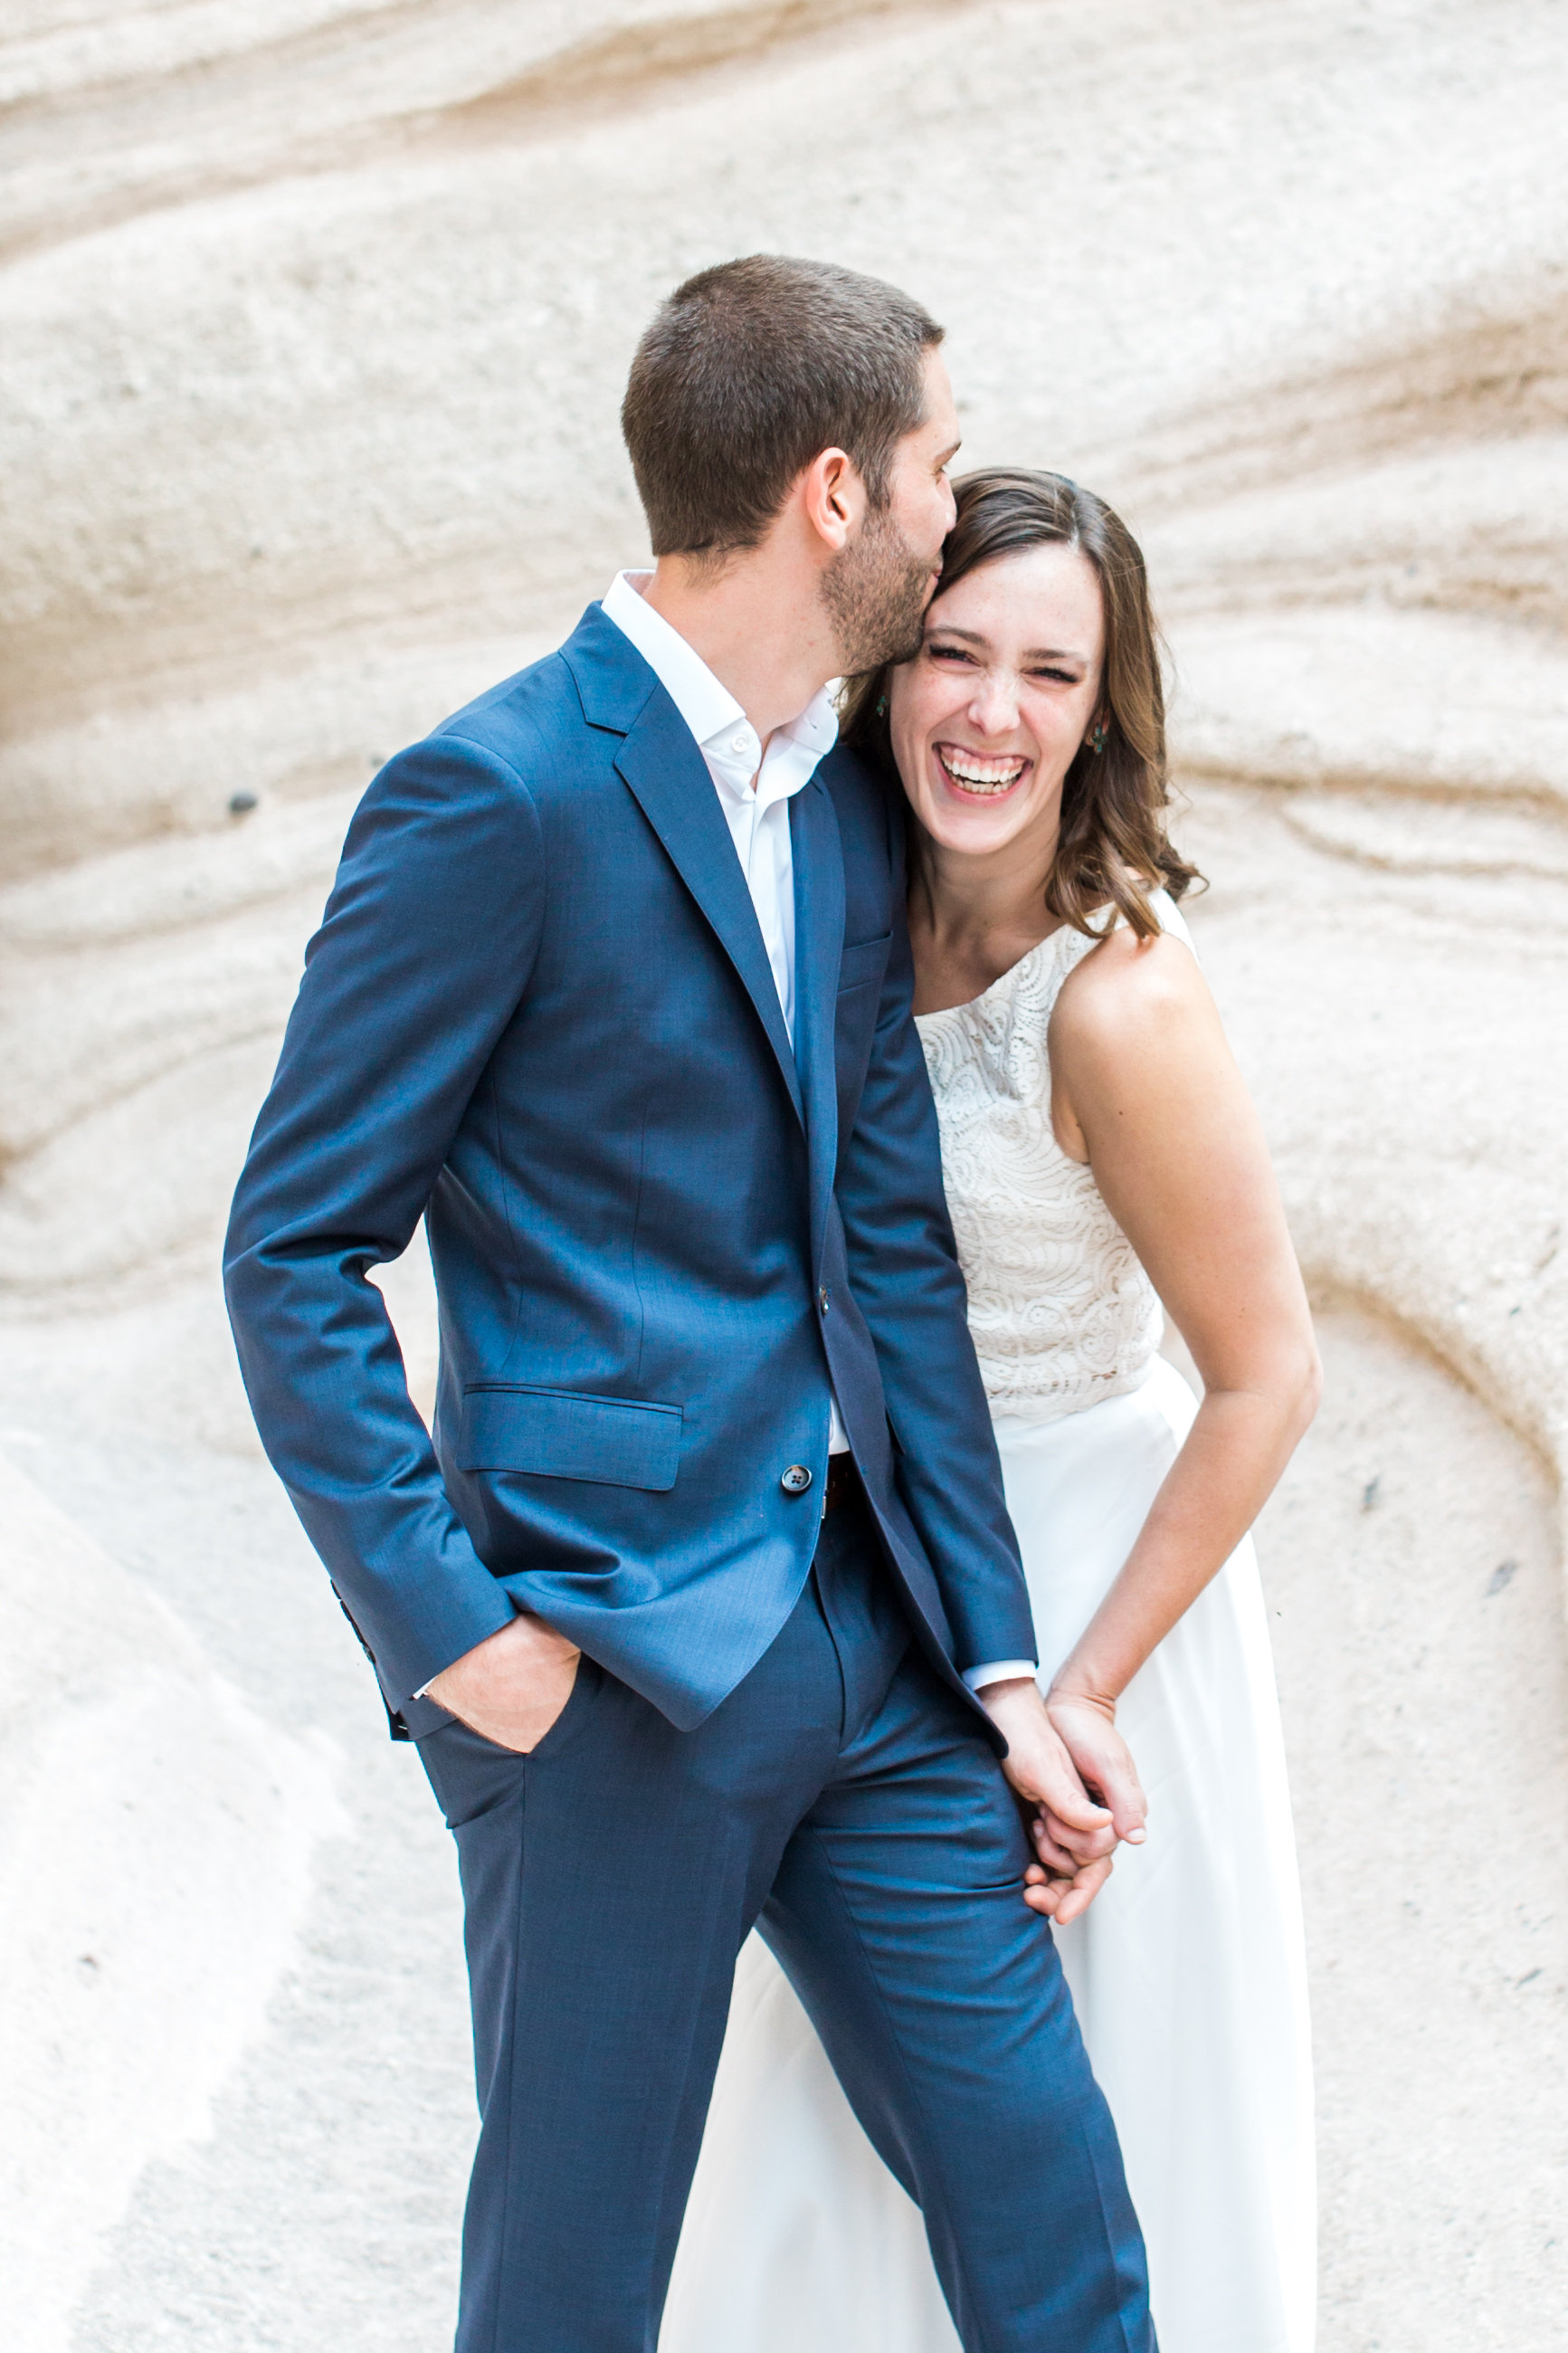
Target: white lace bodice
x,y
1060,1309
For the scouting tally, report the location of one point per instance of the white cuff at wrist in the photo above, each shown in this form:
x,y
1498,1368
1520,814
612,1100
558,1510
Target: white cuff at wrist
x,y
1000,1671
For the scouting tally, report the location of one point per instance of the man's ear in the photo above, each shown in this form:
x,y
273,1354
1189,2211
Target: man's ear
x,y
833,498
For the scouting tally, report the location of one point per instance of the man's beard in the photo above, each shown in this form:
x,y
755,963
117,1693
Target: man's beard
x,y
876,591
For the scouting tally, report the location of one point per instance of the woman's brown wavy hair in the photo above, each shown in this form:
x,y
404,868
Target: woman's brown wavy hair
x,y
1112,847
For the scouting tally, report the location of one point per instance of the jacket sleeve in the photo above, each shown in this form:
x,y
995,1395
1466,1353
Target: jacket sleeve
x,y
423,954
904,1273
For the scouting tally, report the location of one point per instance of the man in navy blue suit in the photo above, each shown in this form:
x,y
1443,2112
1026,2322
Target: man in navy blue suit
x,y
701,1602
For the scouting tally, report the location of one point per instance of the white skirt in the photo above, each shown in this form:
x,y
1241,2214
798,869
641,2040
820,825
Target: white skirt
x,y
1188,1972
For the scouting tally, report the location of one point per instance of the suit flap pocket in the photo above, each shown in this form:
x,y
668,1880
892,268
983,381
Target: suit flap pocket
x,y
866,961
557,1434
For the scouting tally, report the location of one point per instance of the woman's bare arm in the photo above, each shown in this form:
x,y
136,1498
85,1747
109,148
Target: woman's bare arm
x,y
1144,1088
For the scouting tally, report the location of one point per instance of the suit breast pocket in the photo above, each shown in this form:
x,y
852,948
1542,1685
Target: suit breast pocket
x,y
863,965
565,1434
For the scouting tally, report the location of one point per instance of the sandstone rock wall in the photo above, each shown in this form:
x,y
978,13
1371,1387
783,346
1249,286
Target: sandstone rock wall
x,y
155,1850
314,316
315,321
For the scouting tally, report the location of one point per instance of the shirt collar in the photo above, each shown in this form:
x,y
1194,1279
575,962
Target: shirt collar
x,y
727,738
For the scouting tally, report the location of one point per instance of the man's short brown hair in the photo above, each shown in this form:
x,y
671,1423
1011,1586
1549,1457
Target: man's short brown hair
x,y
750,371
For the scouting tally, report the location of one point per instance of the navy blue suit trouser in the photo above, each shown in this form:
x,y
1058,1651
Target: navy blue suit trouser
x,y
843,1800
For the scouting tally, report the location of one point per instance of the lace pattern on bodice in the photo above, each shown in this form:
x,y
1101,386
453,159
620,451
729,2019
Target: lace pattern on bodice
x,y
1060,1309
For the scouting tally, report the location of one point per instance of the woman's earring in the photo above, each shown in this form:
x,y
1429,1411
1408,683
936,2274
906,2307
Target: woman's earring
x,y
1098,735
882,706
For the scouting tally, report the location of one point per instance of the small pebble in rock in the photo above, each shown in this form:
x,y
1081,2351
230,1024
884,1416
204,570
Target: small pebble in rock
x,y
1500,1574
241,803
1369,1492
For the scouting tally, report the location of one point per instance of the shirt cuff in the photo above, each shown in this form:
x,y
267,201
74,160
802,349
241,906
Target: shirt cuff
x,y
1000,1671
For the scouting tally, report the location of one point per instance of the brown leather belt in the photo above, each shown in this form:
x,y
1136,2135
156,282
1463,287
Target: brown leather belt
x,y
842,1484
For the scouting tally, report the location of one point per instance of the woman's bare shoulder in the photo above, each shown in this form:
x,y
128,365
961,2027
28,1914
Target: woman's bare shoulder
x,y
1128,991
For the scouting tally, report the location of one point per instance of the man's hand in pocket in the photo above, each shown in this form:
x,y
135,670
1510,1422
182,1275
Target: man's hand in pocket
x,y
512,1687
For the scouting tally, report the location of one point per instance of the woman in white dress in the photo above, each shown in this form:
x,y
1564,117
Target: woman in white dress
x,y
1103,1162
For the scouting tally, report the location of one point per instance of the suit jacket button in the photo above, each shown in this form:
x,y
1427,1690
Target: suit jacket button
x,y
796,1480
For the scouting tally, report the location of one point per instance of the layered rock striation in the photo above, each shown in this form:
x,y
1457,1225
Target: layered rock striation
x,y
315,317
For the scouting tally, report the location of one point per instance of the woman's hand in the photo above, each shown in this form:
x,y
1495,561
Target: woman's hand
x,y
1085,1722
1059,1883
1073,1834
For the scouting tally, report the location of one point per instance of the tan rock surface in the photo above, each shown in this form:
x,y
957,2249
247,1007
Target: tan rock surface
x,y
314,320
1411,1560
155,1850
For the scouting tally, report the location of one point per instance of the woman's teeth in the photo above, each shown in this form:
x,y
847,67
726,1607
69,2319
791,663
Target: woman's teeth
x,y
972,774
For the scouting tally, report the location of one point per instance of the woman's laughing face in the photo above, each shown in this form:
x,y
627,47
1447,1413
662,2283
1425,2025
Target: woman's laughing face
x,y
988,716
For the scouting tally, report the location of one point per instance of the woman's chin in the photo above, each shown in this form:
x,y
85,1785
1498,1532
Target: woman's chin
x,y
974,822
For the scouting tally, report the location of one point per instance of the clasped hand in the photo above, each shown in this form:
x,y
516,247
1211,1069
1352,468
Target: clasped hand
x,y
1073,1771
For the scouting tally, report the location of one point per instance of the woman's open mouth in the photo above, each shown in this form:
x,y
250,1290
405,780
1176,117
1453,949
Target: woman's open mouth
x,y
976,774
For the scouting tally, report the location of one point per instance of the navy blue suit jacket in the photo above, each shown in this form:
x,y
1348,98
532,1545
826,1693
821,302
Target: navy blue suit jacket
x,y
540,1011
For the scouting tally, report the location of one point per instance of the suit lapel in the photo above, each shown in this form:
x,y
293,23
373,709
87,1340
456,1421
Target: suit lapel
x,y
669,777
819,857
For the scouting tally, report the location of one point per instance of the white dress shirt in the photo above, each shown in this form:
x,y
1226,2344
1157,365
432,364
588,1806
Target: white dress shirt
x,y
755,786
